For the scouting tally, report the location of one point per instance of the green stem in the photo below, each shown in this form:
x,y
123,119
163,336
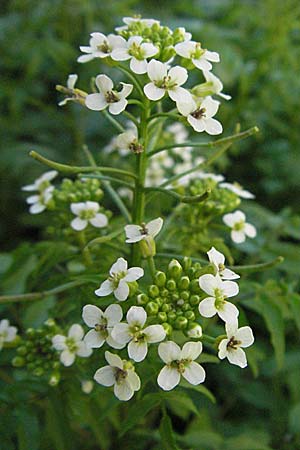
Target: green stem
x,y
113,121
152,267
64,168
85,251
180,198
133,80
207,339
108,178
131,117
166,115
106,238
223,141
261,266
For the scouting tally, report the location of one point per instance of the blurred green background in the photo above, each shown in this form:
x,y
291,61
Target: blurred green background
x,y
259,44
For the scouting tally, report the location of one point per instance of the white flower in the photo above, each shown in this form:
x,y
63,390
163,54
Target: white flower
x,y
136,233
118,280
179,362
72,79
237,338
200,117
211,176
136,20
71,346
102,324
135,333
166,81
116,101
218,290
7,333
239,227
128,142
215,84
200,57
238,190
120,374
101,46
38,203
137,52
218,261
42,182
87,212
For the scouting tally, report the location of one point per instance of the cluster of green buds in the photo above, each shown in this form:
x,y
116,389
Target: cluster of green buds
x,y
79,190
174,297
36,353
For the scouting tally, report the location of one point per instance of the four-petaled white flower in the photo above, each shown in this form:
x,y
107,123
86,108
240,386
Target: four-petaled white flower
x,y
135,333
39,202
239,227
136,233
41,183
7,332
101,46
87,212
107,97
118,280
166,81
72,345
237,338
218,290
218,261
128,142
238,190
179,362
102,324
137,51
120,374
200,116
200,57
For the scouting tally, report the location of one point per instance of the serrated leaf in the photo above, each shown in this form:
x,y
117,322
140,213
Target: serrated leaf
x,y
166,433
139,409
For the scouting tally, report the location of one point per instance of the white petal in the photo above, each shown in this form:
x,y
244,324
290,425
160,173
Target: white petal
x,y
137,350
179,95
136,315
122,291
223,349
72,81
238,236
59,342
191,350
120,54
106,288
134,273
138,66
117,107
212,56
185,49
157,70
123,390
229,220
198,124
213,127
178,74
154,333
37,208
250,230
207,307
105,376
93,339
168,378
95,102
208,283
114,360
228,274
231,328
149,50
228,312
79,224
113,314
169,351
94,206
187,107
126,90
119,266
154,226
104,83
230,288
134,380
32,199
67,358
237,357
114,344
194,373
133,233
91,315
120,333
76,332
215,257
29,188
202,64
116,41
77,208
83,351
11,334
245,335
85,58
153,92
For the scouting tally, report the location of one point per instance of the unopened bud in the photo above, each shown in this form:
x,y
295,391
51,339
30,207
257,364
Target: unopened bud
x,y
174,269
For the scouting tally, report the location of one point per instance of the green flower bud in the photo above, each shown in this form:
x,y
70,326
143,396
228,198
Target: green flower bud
x,y
160,279
184,282
185,307
30,333
31,366
166,307
186,263
194,300
152,308
185,295
171,316
18,361
133,287
164,293
171,285
175,269
147,247
190,315
38,372
159,301
22,350
153,291
194,330
162,316
181,322
54,379
168,328
142,299
194,286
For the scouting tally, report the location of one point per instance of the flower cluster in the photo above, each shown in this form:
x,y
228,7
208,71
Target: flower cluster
x,y
40,201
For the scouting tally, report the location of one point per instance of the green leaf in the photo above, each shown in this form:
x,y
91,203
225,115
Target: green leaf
x,y
166,433
138,411
294,419
38,312
27,430
199,388
180,402
294,301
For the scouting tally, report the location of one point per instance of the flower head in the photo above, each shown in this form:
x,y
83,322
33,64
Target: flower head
x,y
239,227
102,324
237,189
200,57
179,363
120,374
128,142
231,347
166,81
218,261
39,202
118,280
7,332
218,291
71,346
136,334
87,212
200,117
137,51
107,97
101,46
136,233
42,182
